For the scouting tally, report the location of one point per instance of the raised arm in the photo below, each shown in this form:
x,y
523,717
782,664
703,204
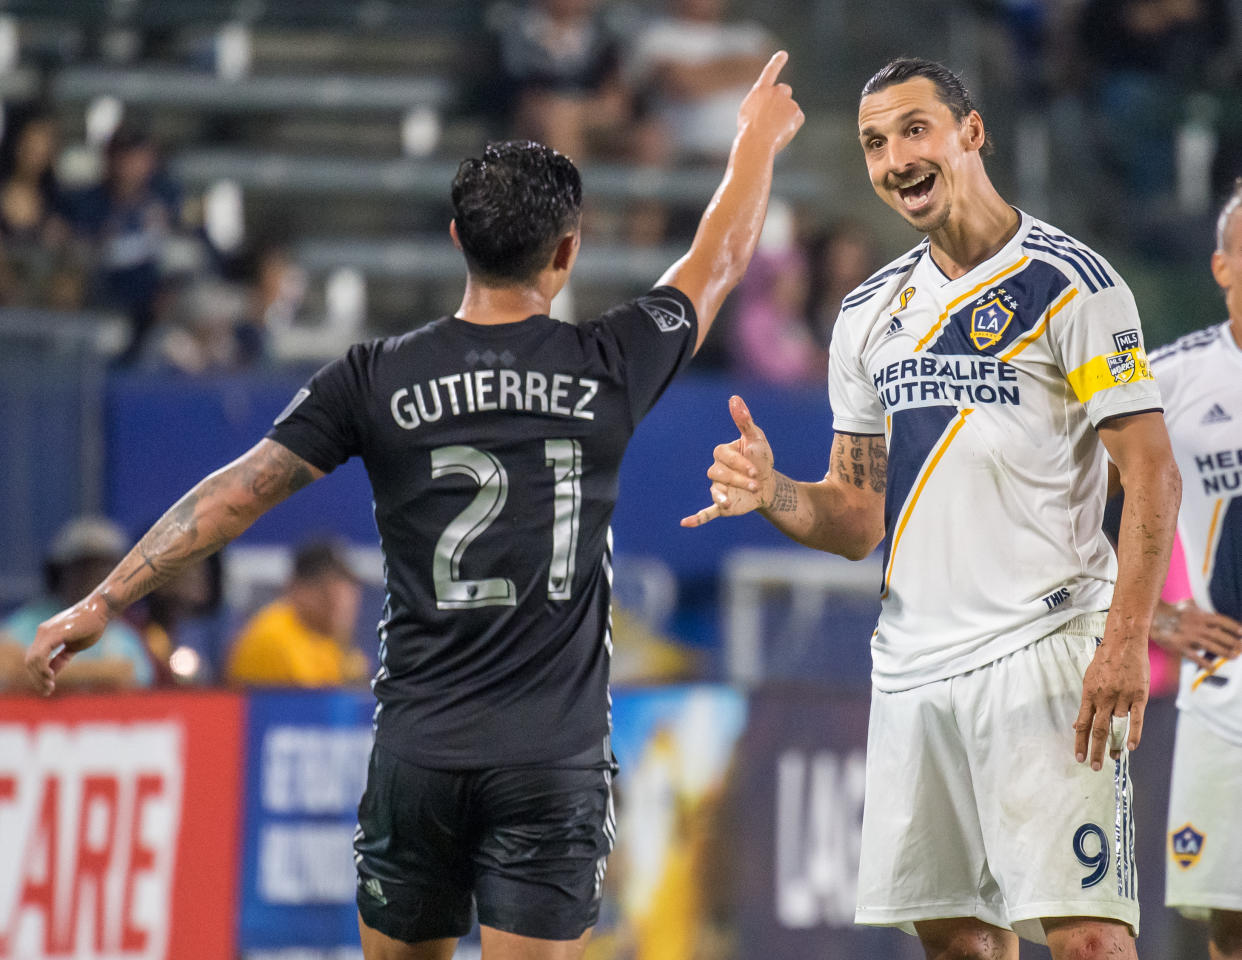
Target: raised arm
x,y
730,227
1116,682
216,510
842,513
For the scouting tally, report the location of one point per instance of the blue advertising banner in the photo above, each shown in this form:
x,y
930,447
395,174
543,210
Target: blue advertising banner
x,y
306,767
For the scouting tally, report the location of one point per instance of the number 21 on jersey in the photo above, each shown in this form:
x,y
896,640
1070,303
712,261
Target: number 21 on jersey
x,y
564,457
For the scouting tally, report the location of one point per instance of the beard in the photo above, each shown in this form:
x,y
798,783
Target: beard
x,y
931,221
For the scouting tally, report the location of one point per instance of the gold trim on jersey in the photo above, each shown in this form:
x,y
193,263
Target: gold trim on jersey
x,y
1028,338
918,489
927,338
1211,536
1208,671
1107,371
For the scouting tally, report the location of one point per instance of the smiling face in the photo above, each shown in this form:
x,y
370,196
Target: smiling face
x,y
921,159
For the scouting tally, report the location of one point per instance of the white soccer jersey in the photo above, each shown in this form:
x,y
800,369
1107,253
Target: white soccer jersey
x,y
1201,382
987,389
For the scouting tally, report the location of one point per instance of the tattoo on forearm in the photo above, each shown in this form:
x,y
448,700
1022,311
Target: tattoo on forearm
x,y
879,464
784,496
181,537
278,473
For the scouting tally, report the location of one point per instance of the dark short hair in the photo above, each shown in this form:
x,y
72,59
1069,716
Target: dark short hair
x,y
512,206
322,557
950,88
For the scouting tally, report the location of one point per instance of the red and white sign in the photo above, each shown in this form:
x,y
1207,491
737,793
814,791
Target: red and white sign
x,y
118,826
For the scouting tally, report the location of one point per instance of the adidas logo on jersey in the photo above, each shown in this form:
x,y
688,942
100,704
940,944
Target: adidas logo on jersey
x,y
893,327
1216,414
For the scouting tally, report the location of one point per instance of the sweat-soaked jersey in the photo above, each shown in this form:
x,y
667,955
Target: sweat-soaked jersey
x,y
493,453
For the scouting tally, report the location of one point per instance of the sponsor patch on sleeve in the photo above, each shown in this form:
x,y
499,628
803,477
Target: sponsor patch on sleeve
x,y
1127,340
1108,371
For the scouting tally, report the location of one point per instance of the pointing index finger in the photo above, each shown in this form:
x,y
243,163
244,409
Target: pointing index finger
x,y
772,69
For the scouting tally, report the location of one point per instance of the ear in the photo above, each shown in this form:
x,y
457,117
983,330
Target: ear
x,y
453,234
563,258
973,134
1220,270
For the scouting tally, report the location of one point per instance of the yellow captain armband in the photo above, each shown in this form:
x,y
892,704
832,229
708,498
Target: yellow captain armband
x,y
1109,370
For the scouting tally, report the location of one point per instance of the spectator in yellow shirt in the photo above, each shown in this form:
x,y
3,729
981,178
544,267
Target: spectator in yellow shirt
x,y
305,638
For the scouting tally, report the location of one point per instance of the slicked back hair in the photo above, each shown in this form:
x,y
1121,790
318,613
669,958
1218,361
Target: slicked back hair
x,y
950,89
512,206
1232,205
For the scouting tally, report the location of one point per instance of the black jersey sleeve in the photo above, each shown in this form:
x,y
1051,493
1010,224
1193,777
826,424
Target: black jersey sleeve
x,y
654,336
322,423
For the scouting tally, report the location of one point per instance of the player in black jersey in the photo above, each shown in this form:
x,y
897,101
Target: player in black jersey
x,y
493,440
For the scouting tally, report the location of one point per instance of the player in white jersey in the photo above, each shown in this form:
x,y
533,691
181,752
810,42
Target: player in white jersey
x,y
1201,382
972,382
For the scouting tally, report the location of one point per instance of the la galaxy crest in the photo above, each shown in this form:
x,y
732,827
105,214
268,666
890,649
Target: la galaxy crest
x,y
1186,846
991,316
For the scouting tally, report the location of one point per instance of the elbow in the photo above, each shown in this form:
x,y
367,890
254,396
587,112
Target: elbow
x,y
857,551
863,546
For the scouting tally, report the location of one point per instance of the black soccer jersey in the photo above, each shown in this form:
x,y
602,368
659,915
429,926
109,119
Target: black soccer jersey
x,y
493,454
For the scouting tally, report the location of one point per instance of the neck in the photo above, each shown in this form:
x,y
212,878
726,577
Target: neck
x,y
984,225
496,305
1235,328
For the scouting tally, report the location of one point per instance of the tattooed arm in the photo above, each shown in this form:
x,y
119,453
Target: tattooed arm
x,y
842,513
218,509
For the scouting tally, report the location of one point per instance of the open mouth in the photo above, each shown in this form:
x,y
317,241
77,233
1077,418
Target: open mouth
x,y
915,195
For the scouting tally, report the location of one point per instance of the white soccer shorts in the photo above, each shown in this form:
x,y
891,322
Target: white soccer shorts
x,y
1203,843
976,807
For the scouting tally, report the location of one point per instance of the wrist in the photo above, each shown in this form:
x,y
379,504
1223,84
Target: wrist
x,y
102,604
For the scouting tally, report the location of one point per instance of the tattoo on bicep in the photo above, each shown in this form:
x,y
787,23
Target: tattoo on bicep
x,y
784,496
276,473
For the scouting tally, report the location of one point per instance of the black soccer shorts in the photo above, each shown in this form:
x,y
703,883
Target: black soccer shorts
x,y
526,844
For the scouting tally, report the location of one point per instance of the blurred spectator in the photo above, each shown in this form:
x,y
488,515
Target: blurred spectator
x,y
840,259
83,552
771,339
209,329
557,75
39,266
129,218
278,290
693,68
181,624
305,638
1149,54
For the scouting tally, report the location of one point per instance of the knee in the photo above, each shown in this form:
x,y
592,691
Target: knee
x,y
1226,934
1082,939
966,939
